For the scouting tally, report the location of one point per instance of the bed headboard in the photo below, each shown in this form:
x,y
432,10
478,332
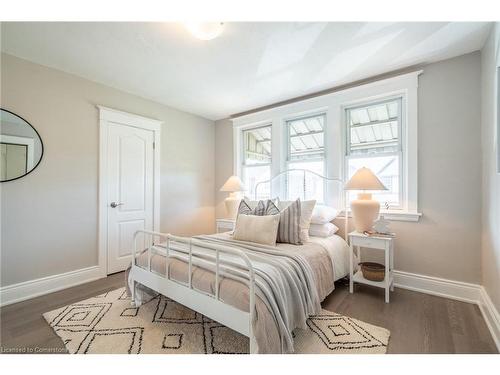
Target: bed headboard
x,y
304,184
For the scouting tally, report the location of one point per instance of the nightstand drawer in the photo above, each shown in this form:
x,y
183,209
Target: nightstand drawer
x,y
375,243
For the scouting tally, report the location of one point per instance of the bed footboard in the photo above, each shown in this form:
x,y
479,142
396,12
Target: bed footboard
x,y
208,304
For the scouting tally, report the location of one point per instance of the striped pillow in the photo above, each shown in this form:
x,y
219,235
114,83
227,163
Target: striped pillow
x,y
260,210
245,209
289,227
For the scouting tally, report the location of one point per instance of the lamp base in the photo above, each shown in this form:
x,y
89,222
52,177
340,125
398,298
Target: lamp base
x,y
364,211
232,204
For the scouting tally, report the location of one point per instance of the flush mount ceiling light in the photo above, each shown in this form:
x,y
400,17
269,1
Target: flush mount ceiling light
x,y
205,30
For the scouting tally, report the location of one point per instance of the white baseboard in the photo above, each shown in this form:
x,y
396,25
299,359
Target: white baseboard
x,y
438,287
491,316
29,289
457,290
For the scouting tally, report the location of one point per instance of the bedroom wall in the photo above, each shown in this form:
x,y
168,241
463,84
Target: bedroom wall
x,y
446,241
49,218
491,179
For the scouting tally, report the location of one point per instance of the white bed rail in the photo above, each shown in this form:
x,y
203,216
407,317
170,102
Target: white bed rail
x,y
202,254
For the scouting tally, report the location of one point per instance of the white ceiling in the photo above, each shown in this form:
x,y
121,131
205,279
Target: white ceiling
x,y
248,66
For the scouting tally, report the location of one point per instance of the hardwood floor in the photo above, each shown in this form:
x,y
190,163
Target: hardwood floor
x,y
419,323
23,326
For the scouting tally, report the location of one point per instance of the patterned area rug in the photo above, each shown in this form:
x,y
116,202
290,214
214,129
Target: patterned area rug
x,y
108,324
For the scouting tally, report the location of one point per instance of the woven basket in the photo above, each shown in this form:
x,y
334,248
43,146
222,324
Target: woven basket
x,y
373,271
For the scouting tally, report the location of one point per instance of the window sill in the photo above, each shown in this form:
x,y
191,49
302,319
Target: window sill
x,y
396,215
401,215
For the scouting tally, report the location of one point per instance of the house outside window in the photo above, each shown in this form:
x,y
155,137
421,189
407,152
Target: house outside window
x,y
373,140
257,159
306,150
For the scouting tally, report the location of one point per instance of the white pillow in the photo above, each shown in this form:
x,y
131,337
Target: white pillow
x,y
260,229
323,230
323,214
306,210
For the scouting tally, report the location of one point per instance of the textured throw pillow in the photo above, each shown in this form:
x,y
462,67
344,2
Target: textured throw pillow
x,y
323,214
306,210
259,229
258,208
253,204
289,224
323,230
245,209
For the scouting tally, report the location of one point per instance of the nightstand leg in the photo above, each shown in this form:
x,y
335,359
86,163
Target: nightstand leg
x,y
392,265
387,271
351,275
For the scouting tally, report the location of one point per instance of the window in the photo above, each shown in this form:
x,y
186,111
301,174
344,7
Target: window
x,y
306,150
373,125
374,141
256,166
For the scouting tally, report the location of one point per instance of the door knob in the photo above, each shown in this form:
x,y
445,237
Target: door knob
x,y
114,204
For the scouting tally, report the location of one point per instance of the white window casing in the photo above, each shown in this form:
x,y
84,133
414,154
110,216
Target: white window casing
x,y
334,106
374,140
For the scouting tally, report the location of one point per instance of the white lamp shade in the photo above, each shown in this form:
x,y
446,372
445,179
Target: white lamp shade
x,y
364,179
233,184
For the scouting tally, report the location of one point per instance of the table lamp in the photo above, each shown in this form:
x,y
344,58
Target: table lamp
x,y
365,210
234,186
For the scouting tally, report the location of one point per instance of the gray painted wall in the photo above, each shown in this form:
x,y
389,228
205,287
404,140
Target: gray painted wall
x,y
491,179
49,218
446,241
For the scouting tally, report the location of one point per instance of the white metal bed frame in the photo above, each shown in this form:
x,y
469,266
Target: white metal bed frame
x,y
204,303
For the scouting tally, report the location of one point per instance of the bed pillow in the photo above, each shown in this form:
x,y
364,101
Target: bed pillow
x,y
259,229
306,210
323,230
252,204
323,214
248,207
245,209
289,225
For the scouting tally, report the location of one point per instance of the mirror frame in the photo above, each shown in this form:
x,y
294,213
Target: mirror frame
x,y
41,142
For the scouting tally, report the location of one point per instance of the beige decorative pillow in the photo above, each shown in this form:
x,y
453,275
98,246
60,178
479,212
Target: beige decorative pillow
x,y
259,229
306,210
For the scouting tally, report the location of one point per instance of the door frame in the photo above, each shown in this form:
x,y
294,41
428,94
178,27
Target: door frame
x,y
107,116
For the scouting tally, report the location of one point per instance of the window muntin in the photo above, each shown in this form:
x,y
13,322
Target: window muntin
x,y
306,150
374,141
257,159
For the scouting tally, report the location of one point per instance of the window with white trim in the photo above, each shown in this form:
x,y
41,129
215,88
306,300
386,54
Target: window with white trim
x,y
374,141
256,160
373,125
306,150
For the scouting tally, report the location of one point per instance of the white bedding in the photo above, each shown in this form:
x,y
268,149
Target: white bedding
x,y
338,250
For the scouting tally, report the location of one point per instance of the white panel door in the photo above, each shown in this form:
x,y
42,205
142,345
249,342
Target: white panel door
x,y
130,190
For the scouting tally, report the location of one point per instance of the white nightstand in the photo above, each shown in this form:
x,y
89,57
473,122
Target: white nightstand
x,y
224,225
358,240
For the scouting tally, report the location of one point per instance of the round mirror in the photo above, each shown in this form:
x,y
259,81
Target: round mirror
x,y
21,146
